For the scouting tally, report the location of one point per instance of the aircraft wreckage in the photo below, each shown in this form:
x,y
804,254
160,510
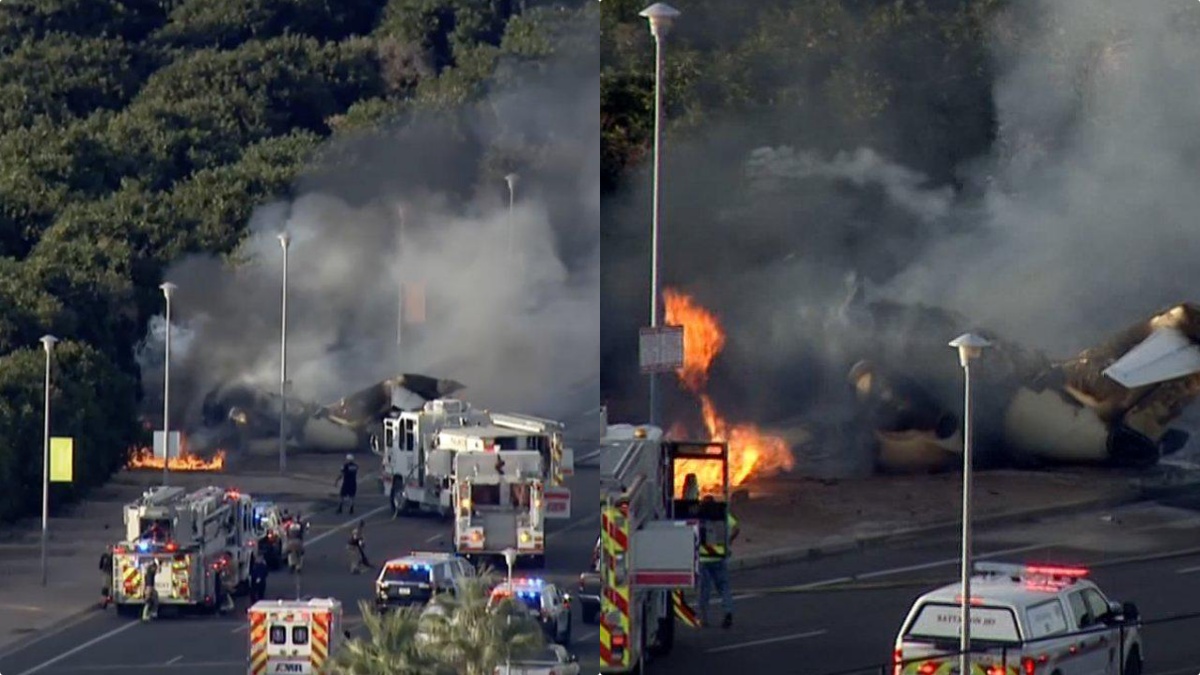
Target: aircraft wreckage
x,y
238,414
1110,405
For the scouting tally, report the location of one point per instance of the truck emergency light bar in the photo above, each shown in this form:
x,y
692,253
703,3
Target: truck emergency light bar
x,y
698,449
1036,573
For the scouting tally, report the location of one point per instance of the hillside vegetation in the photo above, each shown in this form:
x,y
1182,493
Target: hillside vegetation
x,y
139,131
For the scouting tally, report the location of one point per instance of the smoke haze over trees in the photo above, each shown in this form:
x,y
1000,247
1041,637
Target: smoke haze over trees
x,y
1021,162
141,137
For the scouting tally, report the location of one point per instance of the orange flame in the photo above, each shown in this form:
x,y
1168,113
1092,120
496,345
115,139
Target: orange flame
x,y
751,452
143,458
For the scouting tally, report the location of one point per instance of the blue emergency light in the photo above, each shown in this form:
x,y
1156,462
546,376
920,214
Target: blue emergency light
x,y
143,546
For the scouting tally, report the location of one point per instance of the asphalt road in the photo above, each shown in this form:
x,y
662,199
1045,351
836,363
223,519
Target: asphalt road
x,y
851,624
213,645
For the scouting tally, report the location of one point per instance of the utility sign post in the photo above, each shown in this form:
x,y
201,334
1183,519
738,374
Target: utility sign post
x,y
62,459
660,350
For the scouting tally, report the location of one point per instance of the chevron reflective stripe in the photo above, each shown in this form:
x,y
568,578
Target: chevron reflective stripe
x,y
258,643
320,640
556,452
712,551
682,610
614,600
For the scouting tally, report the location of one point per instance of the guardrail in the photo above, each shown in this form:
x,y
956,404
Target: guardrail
x,y
1011,659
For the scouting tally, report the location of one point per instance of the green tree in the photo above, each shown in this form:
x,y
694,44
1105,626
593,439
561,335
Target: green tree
x,y
130,20
390,647
473,638
225,24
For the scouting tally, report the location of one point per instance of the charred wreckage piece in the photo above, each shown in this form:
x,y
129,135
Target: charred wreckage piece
x,y
1110,406
239,414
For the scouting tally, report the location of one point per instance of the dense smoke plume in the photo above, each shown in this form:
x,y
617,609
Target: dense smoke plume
x,y
1079,222
424,204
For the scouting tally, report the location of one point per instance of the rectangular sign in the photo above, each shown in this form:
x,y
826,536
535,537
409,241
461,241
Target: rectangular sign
x,y
558,503
62,459
943,621
414,303
158,444
660,350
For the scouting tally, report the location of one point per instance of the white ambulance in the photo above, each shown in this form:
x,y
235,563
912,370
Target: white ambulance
x,y
1025,620
294,636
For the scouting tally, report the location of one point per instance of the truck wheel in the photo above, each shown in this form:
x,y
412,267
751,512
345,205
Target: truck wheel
x,y
1133,664
589,613
664,636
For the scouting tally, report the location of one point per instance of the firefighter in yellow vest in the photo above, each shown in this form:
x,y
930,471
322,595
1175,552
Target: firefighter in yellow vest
x,y
714,571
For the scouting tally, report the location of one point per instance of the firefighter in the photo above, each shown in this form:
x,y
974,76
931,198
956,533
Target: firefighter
x,y
348,477
258,578
356,548
106,571
714,570
295,544
225,585
150,608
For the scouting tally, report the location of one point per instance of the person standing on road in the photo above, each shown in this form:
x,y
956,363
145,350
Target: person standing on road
x,y
714,570
258,578
150,608
349,480
106,572
357,548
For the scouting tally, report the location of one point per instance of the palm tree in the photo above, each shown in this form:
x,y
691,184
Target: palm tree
x,y
472,639
390,647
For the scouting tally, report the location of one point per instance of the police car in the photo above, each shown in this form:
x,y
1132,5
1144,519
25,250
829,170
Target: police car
x,y
1025,620
415,578
550,606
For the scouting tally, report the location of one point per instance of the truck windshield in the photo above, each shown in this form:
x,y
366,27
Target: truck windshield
x,y
411,574
940,621
155,529
485,495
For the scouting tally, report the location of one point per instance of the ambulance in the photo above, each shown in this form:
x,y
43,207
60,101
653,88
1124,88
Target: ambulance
x,y
294,636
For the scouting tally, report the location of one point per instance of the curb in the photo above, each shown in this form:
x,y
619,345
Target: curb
x,y
836,544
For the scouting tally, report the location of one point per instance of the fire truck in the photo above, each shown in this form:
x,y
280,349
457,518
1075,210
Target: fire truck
x,y
418,470
649,540
294,636
499,497
192,537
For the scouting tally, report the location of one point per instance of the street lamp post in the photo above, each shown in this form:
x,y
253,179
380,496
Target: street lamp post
x,y
969,347
48,342
284,240
661,17
511,179
510,559
400,283
168,290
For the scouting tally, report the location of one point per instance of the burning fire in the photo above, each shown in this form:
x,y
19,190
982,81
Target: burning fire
x,y
143,458
751,452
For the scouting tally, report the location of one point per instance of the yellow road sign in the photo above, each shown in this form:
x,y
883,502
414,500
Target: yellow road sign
x,y
62,459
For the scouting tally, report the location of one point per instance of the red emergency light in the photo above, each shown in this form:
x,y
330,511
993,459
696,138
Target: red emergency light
x,y
171,546
1056,571
973,601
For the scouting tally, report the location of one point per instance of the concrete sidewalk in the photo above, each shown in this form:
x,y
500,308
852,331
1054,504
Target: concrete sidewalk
x,y
78,536
789,519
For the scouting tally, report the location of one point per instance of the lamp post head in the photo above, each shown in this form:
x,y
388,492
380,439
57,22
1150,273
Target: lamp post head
x,y
48,342
661,17
511,179
969,346
284,239
510,556
168,289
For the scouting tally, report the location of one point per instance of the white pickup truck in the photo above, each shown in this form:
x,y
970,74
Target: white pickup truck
x,y
554,660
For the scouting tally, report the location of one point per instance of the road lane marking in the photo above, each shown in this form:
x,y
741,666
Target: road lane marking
x,y
75,650
152,666
1188,570
586,637
767,641
435,538
177,659
121,629
892,571
568,528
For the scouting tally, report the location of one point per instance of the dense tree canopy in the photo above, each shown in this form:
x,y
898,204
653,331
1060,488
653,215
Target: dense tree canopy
x,y
137,131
